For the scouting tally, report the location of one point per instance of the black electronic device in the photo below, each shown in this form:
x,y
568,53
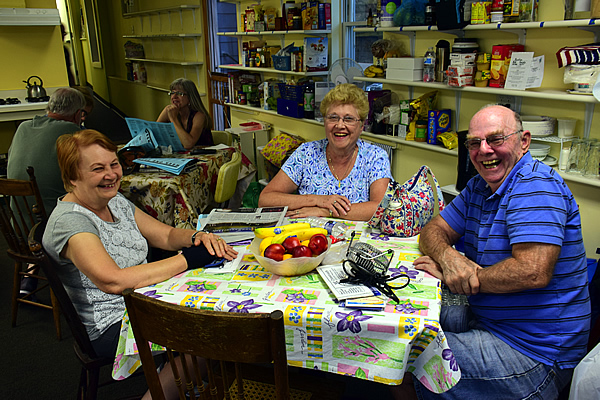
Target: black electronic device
x,y
368,266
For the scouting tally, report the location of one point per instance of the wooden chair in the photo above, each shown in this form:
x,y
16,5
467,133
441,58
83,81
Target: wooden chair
x,y
16,218
89,380
222,137
227,179
226,337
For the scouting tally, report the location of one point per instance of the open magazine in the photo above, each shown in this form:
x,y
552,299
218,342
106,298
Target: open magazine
x,y
149,135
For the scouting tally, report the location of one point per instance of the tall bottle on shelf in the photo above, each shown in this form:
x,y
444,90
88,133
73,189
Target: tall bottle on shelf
x,y
429,66
336,229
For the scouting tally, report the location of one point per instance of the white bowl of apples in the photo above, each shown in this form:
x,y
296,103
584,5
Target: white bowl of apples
x,y
303,258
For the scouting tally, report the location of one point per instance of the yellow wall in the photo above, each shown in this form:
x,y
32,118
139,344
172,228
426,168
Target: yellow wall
x,y
27,51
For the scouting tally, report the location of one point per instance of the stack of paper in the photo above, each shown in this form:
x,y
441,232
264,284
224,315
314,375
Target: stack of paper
x,y
173,165
332,274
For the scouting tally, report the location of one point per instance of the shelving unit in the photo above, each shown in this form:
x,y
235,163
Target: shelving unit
x,y
163,48
167,10
520,30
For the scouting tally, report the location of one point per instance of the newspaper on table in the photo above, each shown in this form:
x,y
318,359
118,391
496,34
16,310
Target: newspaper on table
x,y
235,225
149,134
172,165
332,274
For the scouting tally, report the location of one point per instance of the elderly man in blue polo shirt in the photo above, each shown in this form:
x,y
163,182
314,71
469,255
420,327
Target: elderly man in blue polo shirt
x,y
524,270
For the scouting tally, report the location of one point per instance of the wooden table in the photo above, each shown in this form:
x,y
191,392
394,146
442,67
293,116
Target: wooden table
x,y
177,200
378,346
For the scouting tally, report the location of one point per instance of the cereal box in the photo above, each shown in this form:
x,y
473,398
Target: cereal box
x,y
438,122
501,55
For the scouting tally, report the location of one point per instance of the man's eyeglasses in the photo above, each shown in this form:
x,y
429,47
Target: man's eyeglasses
x,y
180,94
348,120
492,141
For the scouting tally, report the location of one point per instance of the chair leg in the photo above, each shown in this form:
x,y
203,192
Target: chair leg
x,y
56,313
92,384
15,292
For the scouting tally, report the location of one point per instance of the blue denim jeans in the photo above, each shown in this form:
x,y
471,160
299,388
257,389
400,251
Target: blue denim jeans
x,y
491,369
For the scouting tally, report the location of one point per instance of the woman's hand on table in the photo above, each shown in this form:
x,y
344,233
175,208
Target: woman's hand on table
x,y
215,245
338,205
326,206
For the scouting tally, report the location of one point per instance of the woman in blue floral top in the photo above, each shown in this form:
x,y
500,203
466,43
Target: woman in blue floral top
x,y
338,176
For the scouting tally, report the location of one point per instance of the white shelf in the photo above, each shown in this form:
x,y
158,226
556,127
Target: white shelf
x,y
545,94
272,70
277,33
184,63
29,17
160,10
577,23
149,86
411,143
165,36
247,108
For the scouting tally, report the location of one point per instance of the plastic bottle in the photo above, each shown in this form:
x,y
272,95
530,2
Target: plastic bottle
x,y
336,229
429,66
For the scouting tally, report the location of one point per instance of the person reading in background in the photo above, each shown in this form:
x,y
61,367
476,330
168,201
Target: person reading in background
x,y
186,111
524,270
341,175
100,240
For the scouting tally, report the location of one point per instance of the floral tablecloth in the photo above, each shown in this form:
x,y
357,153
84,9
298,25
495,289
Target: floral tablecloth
x,y
177,200
374,345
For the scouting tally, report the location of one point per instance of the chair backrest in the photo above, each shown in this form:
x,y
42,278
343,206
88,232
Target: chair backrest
x,y
83,345
227,179
213,335
222,137
218,94
18,213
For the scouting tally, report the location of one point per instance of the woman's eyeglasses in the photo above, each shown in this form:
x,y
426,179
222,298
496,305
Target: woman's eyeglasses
x,y
492,141
180,94
347,120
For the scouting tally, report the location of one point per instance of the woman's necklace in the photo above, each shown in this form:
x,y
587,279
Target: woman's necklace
x,y
351,164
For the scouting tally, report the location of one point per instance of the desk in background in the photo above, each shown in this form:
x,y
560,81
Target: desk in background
x,y
177,200
378,346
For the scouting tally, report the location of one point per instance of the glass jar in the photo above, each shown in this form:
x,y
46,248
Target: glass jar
x,y
421,131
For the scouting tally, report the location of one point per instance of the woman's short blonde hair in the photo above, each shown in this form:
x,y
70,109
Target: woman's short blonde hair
x,y
346,93
68,152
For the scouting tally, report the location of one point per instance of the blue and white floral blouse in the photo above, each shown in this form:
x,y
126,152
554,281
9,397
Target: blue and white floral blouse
x,y
307,167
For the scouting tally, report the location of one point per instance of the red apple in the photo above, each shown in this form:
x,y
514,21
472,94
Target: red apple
x,y
318,244
275,252
290,242
319,234
301,251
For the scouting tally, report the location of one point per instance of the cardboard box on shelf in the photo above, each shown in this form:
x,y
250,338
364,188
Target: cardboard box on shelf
x,y
404,74
405,63
501,55
438,122
315,54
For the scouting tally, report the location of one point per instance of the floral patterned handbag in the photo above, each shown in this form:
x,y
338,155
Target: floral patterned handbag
x,y
407,207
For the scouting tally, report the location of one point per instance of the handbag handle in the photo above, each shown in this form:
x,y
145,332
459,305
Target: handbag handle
x,y
426,170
